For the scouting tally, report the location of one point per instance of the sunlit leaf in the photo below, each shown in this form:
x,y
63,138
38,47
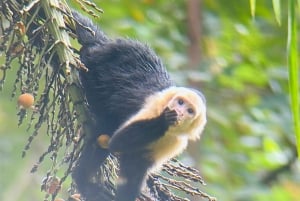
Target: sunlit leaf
x,y
293,68
277,10
252,7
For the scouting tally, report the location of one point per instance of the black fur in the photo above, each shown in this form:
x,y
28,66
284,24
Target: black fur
x,y
131,143
122,73
133,174
130,138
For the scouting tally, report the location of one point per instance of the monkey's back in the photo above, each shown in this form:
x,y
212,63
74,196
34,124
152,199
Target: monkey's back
x,y
122,73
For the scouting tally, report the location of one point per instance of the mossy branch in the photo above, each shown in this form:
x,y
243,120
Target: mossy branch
x,y
69,63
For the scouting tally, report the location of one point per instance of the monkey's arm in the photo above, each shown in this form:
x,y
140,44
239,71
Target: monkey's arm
x,y
139,134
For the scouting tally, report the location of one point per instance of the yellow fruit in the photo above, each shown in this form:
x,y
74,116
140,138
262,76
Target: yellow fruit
x,y
103,141
59,199
53,185
26,100
76,197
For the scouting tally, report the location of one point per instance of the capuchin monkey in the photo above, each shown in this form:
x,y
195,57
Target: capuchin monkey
x,y
147,119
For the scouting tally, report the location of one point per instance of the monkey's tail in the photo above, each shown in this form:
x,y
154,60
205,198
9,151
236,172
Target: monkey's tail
x,y
88,34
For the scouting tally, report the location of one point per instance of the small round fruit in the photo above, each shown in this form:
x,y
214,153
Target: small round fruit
x,y
59,199
75,197
53,185
26,101
103,141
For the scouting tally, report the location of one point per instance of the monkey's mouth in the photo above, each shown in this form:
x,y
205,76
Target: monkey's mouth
x,y
180,116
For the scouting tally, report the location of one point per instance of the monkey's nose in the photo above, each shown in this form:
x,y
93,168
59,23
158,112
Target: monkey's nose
x,y
180,111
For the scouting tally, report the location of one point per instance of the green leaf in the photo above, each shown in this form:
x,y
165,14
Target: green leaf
x,y
293,68
277,11
252,7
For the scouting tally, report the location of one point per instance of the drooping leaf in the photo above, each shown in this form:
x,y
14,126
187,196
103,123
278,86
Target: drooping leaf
x,y
293,68
252,7
277,10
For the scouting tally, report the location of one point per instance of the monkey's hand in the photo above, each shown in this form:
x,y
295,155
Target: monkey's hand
x,y
171,116
137,135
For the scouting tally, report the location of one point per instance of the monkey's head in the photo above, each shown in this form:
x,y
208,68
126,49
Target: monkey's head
x,y
189,105
191,110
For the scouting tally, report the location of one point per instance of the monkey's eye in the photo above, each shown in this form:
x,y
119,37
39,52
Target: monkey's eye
x,y
190,111
180,101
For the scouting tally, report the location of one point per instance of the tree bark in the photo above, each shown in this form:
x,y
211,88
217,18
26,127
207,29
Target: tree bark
x,y
194,31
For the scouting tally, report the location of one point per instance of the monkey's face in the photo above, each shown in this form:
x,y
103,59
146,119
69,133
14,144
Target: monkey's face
x,y
191,110
186,111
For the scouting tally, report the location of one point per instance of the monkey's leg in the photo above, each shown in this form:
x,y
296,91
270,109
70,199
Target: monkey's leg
x,y
90,160
133,169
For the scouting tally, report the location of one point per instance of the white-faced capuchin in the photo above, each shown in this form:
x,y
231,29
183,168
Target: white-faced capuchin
x,y
148,120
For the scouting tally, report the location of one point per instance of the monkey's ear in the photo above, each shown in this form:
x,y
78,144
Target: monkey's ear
x,y
137,135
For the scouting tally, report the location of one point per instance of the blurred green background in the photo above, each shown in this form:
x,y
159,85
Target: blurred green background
x,y
247,151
